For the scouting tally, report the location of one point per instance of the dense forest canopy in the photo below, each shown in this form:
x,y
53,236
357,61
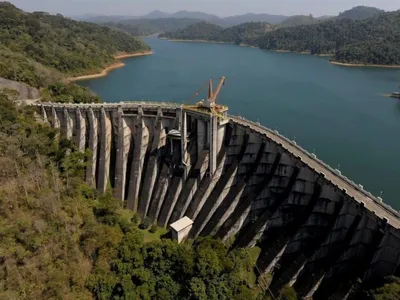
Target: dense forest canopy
x,y
145,27
242,34
374,40
360,12
41,50
298,20
60,44
160,22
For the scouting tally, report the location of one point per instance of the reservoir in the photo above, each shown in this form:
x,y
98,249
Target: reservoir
x,y
339,113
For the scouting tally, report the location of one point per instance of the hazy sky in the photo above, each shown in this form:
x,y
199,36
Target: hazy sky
x,y
218,7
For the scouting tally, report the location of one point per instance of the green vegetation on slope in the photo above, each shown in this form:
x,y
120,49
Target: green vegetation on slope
x,y
145,27
389,290
360,12
59,240
374,40
371,41
246,33
41,49
298,20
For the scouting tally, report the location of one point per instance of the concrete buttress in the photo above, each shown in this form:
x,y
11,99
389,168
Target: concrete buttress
x,y
141,141
105,151
123,149
67,124
80,131
153,163
238,181
93,144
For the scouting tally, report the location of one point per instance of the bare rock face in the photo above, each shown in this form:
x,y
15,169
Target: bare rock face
x,y
25,91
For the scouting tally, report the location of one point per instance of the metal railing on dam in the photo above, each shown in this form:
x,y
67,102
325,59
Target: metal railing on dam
x,y
372,202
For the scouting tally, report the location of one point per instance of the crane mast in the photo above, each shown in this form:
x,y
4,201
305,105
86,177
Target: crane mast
x,y
209,104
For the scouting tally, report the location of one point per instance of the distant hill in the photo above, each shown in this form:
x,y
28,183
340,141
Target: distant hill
x,y
250,17
102,18
326,17
246,33
194,15
155,14
298,20
356,13
360,12
145,27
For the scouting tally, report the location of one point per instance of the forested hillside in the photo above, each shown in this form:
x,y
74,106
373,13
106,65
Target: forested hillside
x,y
374,40
360,12
245,33
370,41
298,20
145,27
37,48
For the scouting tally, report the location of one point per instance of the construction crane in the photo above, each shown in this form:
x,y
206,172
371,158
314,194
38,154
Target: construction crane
x,y
209,104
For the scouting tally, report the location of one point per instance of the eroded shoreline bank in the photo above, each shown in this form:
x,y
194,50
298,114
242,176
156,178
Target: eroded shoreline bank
x,y
363,65
116,65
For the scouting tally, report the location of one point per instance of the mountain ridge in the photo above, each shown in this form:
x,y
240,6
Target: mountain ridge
x,y
371,41
354,13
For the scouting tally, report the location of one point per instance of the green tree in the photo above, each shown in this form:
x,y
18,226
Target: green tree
x,y
389,291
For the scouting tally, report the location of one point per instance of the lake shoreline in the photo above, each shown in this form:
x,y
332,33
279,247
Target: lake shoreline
x,y
196,41
116,65
287,51
363,65
242,45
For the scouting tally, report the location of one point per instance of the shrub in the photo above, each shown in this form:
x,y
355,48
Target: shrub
x,y
145,223
153,228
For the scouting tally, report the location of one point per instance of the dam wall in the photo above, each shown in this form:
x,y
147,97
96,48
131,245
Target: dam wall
x,y
241,182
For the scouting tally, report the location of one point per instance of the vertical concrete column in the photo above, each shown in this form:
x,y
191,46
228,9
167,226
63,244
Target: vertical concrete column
x,y
330,250
220,135
190,187
67,124
184,141
93,143
213,140
105,151
55,120
201,135
123,148
179,118
152,166
44,114
235,221
159,193
141,142
80,130
386,259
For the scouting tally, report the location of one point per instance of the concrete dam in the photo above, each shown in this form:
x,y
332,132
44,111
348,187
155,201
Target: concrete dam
x,y
240,182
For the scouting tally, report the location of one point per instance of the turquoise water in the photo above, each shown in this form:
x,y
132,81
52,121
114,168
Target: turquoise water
x,y
337,112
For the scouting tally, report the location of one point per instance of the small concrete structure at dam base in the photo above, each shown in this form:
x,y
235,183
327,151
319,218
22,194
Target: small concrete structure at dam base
x,y
181,229
318,231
